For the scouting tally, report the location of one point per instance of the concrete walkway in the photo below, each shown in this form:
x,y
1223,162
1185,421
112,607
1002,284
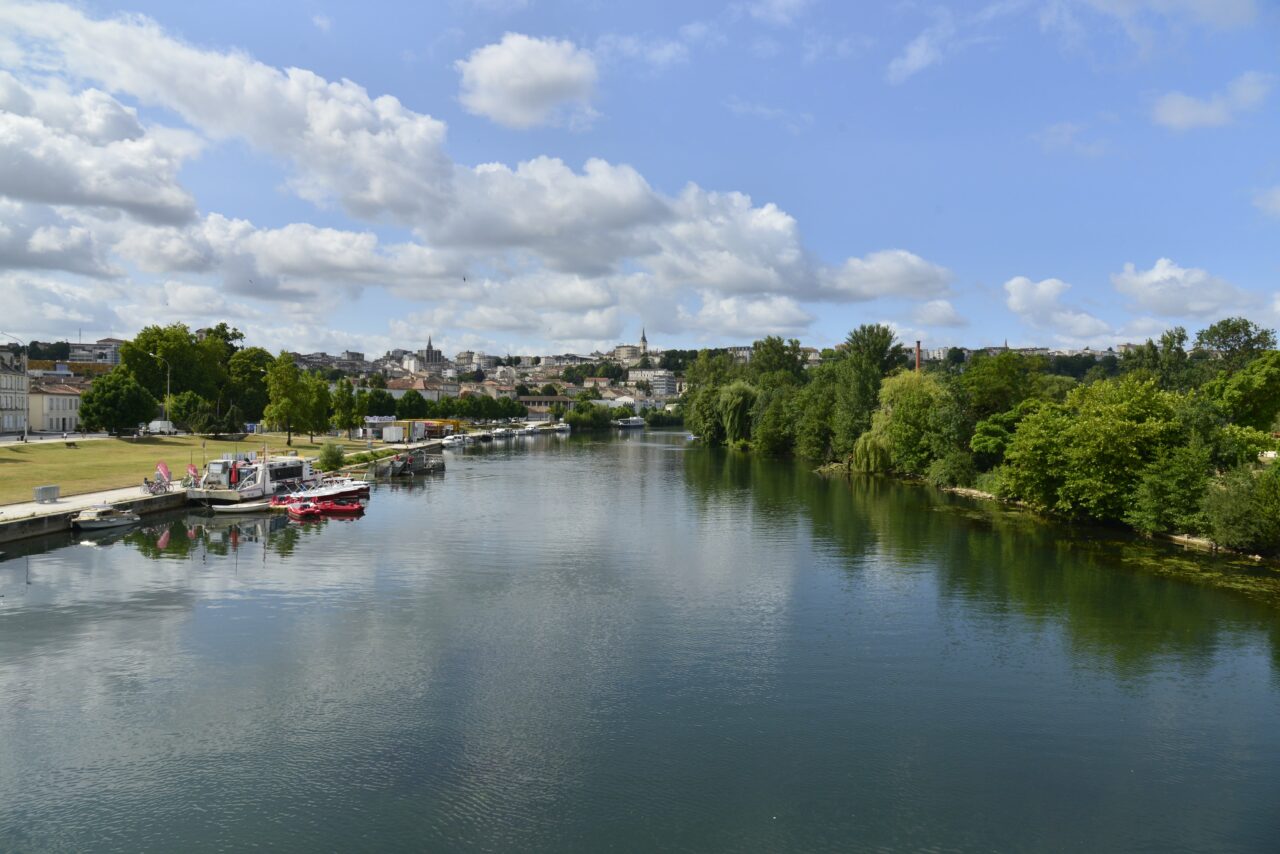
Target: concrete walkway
x,y
71,503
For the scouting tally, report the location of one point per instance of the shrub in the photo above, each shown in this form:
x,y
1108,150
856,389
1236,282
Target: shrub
x,y
331,456
954,469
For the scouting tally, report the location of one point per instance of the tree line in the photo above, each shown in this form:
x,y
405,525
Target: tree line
x,y
1167,439
215,385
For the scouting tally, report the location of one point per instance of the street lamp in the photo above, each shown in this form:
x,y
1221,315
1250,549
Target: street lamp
x,y
167,374
25,380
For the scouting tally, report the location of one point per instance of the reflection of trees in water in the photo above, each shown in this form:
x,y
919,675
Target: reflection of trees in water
x,y
180,538
1124,601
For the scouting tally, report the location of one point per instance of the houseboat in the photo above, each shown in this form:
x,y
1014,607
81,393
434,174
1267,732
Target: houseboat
x,y
250,477
635,422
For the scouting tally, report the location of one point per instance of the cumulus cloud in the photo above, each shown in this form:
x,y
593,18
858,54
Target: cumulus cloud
x,y
926,49
938,312
523,82
778,12
889,273
89,149
1178,111
1268,201
1039,304
1069,137
747,318
1168,290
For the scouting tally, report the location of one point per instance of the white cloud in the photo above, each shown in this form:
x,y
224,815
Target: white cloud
x,y
1178,111
793,123
323,23
778,12
889,273
748,318
89,149
522,82
1068,137
37,237
1216,13
926,49
938,312
1039,304
659,53
1268,201
1172,291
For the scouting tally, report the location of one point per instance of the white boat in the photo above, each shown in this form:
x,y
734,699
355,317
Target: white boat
x,y
454,440
243,507
562,428
250,477
104,516
633,423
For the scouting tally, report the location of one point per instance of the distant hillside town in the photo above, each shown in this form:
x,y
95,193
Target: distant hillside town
x,y
41,384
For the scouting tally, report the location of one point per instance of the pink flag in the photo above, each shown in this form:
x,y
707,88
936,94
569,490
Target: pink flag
x,y
163,542
193,471
163,470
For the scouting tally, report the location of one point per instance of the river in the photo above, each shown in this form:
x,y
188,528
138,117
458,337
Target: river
x,y
631,643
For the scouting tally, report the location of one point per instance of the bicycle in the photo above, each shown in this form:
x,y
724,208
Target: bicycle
x,y
155,487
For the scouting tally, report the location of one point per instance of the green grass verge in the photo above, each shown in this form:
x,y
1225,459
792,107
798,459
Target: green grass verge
x,y
98,464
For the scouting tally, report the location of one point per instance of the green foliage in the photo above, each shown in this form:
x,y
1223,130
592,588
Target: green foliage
x,y
1169,491
772,419
813,410
116,401
877,343
316,404
995,384
908,423
1084,458
734,406
331,456
380,402
1242,509
412,405
344,407
1237,341
185,409
662,418
286,395
247,380
1235,445
1251,395
991,435
856,396
773,356
549,390
954,469
587,416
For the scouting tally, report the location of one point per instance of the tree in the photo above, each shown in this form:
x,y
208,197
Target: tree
x,y
185,410
734,403
377,381
812,411
344,407
522,390
286,395
1251,396
1170,490
188,365
1236,340
1242,509
772,355
549,390
315,405
879,344
998,383
857,394
412,405
247,381
380,402
116,401
905,425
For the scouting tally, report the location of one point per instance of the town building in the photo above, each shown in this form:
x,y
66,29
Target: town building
x,y
53,407
540,406
13,392
105,351
662,381
430,355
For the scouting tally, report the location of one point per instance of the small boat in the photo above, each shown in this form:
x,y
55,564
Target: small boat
x,y
635,422
562,428
339,508
304,511
242,507
104,516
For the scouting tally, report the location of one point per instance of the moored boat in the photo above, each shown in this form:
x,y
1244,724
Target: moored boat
x,y
104,516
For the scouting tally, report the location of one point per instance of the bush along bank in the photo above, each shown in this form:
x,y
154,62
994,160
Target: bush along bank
x,y
1166,439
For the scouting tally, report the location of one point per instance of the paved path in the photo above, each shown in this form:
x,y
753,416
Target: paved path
x,y
69,503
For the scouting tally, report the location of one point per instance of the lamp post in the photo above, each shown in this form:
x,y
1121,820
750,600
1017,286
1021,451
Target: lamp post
x,y
167,375
26,408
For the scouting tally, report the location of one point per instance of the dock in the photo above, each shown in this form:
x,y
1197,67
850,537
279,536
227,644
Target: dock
x,y
30,519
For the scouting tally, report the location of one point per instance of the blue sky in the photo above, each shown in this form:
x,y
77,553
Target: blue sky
x,y
546,176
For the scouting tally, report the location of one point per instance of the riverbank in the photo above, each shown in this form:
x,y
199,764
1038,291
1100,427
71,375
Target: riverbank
x,y
1214,565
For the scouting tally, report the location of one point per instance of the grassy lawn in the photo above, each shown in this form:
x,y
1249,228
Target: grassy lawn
x,y
112,463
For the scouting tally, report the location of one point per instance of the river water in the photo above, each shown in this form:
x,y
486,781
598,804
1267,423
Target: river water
x,y
632,644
